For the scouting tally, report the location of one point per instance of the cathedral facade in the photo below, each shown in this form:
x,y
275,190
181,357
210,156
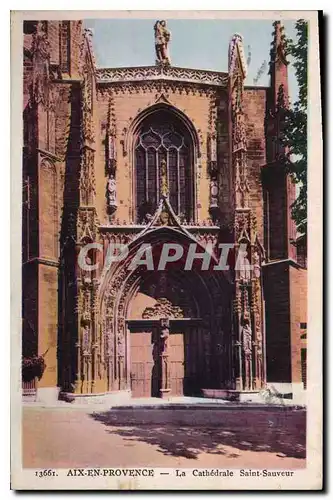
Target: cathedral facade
x,y
150,158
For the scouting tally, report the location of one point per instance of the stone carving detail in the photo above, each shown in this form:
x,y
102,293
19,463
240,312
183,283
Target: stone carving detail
x,y
108,340
162,39
88,34
244,274
165,330
241,182
87,177
214,191
88,345
85,341
84,310
212,158
164,353
237,74
62,139
161,97
242,225
246,335
162,309
126,291
212,136
111,159
212,152
206,238
111,134
115,328
40,57
248,312
87,86
153,86
236,53
257,313
239,131
121,237
87,225
144,73
164,178
111,193
87,103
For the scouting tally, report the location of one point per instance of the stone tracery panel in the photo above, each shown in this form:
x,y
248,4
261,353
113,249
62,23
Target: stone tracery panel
x,y
144,73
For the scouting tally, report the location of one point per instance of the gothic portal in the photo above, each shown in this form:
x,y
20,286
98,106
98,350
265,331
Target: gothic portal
x,y
150,156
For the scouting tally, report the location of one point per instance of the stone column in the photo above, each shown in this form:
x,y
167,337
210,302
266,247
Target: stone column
x,y
164,356
121,353
237,344
257,312
109,352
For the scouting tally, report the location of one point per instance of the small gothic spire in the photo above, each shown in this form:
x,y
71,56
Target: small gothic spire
x,y
279,67
278,50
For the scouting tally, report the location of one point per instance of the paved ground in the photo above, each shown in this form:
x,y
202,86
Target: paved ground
x,y
75,437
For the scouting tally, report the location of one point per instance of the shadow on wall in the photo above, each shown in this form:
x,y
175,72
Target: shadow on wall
x,y
179,433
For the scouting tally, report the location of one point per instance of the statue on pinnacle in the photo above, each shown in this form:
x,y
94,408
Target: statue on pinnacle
x,y
162,38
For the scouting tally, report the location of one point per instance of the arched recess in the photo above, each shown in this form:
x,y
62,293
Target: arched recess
x,y
210,303
171,116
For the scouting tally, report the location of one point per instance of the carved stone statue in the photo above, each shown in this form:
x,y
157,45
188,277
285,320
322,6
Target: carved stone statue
x,y
164,179
85,339
165,332
214,190
256,264
247,349
247,335
244,265
162,38
111,192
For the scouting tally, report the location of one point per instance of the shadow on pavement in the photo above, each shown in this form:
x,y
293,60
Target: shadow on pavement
x,y
183,433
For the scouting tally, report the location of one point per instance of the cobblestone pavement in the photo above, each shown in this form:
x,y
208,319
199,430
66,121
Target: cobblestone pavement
x,y
63,438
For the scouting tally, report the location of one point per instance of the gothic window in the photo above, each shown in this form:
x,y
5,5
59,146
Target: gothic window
x,y
165,139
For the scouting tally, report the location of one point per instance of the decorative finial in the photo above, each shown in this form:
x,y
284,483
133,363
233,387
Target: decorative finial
x,y
278,50
162,38
236,51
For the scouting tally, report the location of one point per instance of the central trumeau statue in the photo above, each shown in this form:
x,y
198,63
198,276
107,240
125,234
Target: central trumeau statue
x,y
162,38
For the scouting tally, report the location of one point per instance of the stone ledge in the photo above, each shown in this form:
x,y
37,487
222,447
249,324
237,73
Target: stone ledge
x,y
233,395
168,73
98,398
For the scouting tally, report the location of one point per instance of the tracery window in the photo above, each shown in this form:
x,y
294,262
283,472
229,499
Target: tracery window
x,y
168,140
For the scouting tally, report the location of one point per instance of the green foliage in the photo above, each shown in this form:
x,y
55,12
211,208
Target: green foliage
x,y
295,130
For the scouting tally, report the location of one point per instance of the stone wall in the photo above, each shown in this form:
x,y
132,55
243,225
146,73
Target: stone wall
x,y
277,305
194,102
285,292
255,112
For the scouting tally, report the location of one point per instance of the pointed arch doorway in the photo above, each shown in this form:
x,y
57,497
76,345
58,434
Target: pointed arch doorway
x,y
166,332
166,339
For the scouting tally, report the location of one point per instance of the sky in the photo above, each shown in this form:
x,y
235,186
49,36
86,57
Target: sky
x,y
194,44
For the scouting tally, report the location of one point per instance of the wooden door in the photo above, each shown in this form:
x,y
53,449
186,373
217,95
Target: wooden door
x,y
144,362
177,363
